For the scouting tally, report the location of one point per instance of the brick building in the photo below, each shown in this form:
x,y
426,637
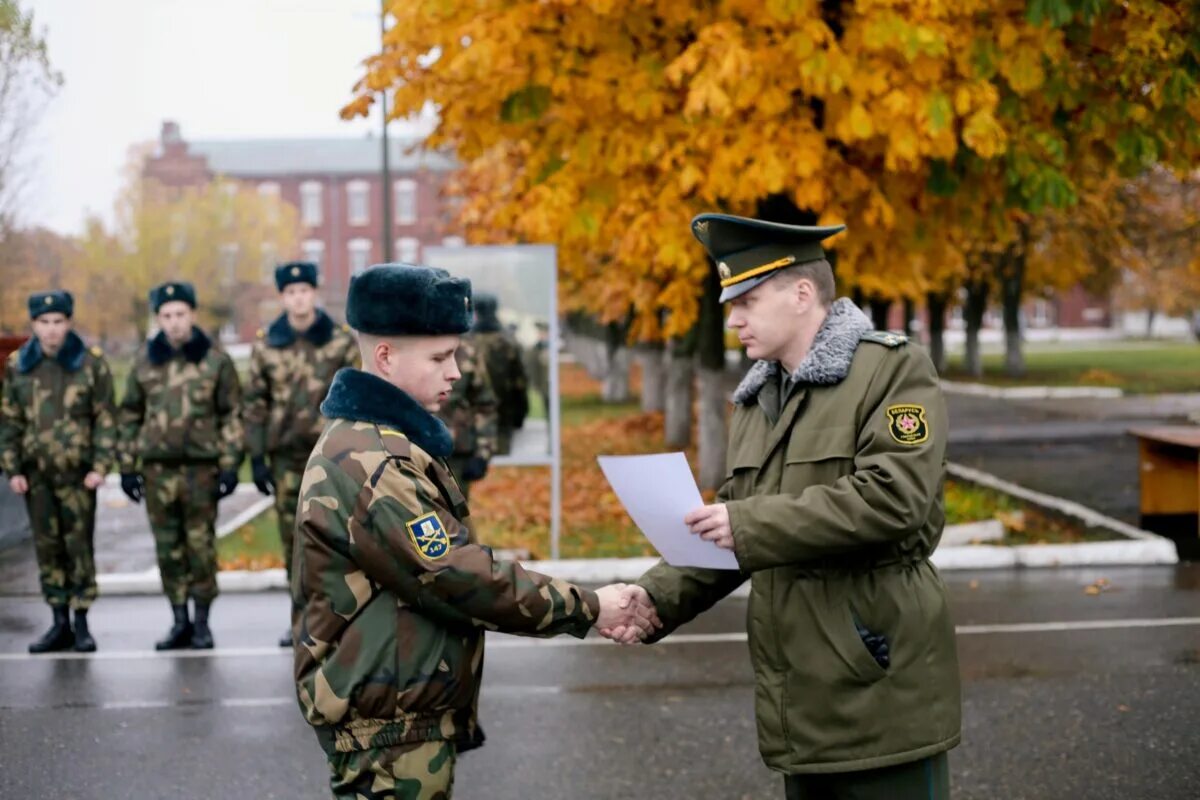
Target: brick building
x,y
336,186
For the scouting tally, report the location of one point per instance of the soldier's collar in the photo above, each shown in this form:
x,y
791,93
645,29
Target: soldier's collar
x,y
70,355
159,350
362,397
828,360
280,333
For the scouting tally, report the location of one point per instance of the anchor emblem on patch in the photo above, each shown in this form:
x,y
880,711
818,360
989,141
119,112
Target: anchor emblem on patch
x,y
429,536
907,424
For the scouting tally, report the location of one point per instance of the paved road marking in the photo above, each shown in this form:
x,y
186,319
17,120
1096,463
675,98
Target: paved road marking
x,y
516,642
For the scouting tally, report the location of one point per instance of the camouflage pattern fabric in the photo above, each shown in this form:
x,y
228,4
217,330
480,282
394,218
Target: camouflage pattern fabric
x,y
181,502
470,411
537,368
417,771
393,592
63,517
506,372
287,496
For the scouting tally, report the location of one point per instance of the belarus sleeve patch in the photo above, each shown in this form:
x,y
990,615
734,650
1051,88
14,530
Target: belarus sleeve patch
x,y
907,424
429,536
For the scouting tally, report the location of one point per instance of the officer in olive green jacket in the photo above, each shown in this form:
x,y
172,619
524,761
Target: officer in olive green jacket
x,y
832,505
57,442
291,367
181,444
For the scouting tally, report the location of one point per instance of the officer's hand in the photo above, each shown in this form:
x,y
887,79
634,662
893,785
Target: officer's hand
x,y
227,481
133,486
93,480
639,600
711,523
262,475
616,611
475,468
19,484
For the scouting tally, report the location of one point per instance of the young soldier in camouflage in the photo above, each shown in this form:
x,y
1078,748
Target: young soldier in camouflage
x,y
393,592
181,444
505,369
470,414
291,366
57,441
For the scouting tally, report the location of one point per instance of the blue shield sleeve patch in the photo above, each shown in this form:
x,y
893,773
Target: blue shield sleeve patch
x,y
429,536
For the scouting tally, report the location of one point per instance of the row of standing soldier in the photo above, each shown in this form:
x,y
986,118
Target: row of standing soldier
x,y
184,426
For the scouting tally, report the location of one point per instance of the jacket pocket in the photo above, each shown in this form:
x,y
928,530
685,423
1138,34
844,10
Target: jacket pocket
x,y
851,647
817,457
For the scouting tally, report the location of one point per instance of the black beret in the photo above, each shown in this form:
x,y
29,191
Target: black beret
x,y
406,300
60,302
170,291
295,272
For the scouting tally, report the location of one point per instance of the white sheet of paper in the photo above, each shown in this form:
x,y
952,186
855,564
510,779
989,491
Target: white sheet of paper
x,y
657,491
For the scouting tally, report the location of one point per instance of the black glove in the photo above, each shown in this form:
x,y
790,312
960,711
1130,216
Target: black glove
x,y
227,481
133,486
475,469
262,475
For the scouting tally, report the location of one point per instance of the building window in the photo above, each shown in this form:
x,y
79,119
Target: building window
x,y
408,249
270,258
406,201
229,257
1040,318
360,255
269,192
453,241
310,203
314,251
358,203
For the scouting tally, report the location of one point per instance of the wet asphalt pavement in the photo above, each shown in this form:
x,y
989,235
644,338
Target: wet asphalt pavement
x,y
1104,706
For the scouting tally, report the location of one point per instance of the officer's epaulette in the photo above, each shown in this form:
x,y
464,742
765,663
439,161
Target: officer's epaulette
x,y
885,338
260,333
96,351
395,442
346,327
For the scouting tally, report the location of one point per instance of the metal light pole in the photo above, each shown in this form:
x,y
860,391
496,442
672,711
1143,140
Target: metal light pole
x,y
388,244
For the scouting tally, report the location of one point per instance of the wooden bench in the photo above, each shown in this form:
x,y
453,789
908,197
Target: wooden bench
x,y
1169,471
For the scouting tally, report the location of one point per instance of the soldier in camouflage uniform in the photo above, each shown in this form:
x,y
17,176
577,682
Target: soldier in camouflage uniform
x,y
291,367
57,441
538,365
506,372
181,444
392,589
470,413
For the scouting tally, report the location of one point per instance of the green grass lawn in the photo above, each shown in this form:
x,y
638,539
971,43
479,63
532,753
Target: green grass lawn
x,y
1137,368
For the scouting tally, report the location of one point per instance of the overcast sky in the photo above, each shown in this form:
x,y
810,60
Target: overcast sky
x,y
221,68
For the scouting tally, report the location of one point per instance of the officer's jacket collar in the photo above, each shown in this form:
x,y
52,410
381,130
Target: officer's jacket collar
x,y
362,397
828,360
159,350
70,355
281,334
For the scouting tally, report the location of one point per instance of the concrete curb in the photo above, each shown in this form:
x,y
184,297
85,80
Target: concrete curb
x,y
1031,392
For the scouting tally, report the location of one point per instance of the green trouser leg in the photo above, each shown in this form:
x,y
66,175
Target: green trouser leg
x,y
63,519
181,502
287,475
416,771
927,779
504,441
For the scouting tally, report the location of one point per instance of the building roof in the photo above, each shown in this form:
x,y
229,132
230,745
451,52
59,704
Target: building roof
x,y
342,156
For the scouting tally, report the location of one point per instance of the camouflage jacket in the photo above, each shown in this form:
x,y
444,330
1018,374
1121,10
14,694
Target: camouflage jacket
x,y
57,416
181,405
470,411
392,590
506,372
290,375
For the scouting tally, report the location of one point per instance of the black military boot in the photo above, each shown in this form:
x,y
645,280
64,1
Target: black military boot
x,y
84,643
286,639
201,635
59,636
180,635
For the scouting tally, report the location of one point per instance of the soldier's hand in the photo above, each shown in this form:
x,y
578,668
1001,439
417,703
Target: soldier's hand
x,y
262,475
227,481
93,480
475,468
633,596
711,523
133,486
617,611
19,484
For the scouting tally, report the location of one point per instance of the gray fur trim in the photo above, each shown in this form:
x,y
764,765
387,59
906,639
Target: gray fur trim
x,y
827,361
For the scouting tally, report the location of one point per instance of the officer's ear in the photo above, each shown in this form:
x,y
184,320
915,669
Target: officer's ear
x,y
805,292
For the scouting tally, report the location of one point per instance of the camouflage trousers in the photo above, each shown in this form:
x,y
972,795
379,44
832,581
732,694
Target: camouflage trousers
x,y
181,501
288,473
504,438
415,771
63,519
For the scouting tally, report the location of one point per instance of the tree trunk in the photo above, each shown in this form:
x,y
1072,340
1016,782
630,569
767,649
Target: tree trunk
x,y
973,311
910,314
880,311
1012,279
680,376
652,359
935,306
710,344
1151,313
616,376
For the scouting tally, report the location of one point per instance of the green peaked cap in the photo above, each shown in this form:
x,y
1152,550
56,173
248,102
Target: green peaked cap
x,y
749,251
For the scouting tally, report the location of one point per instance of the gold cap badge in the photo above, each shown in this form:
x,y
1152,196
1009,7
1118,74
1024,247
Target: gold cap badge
x,y
724,271
170,290
295,271
49,300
